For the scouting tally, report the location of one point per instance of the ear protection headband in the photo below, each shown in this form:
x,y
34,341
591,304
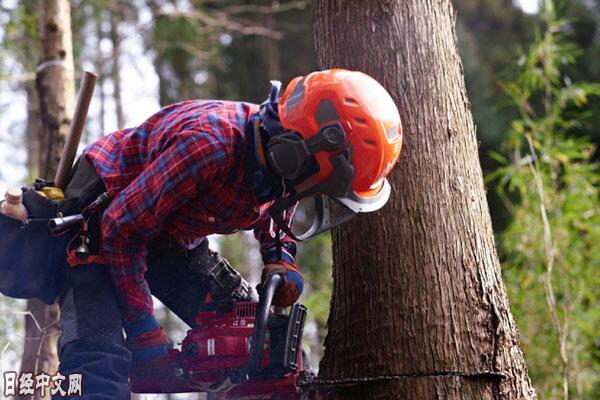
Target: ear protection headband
x,y
288,152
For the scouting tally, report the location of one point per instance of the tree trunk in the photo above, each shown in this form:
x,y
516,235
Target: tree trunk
x,y
55,81
417,286
100,68
116,68
32,131
56,90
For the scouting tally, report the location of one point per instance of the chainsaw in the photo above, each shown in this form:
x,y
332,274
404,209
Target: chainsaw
x,y
237,348
240,350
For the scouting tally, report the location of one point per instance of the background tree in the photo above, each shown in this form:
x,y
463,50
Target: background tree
x,y
56,90
432,300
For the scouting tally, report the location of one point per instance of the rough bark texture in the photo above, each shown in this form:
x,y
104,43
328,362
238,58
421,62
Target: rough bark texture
x,y
32,131
100,70
115,38
417,286
56,90
55,80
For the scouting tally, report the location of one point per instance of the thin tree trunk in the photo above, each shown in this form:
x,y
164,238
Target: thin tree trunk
x,y
417,286
116,68
32,131
55,80
100,69
56,90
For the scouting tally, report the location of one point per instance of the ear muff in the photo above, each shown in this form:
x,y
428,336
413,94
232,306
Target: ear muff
x,y
287,154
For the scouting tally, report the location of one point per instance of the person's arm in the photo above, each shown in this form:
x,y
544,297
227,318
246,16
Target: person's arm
x,y
280,260
182,171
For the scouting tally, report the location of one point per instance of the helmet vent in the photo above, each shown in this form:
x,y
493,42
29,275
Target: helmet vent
x,y
361,121
326,112
350,101
369,142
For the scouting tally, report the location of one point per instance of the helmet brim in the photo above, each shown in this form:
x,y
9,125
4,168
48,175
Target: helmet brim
x,y
362,204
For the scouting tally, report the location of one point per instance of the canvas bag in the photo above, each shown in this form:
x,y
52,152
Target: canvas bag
x,y
32,259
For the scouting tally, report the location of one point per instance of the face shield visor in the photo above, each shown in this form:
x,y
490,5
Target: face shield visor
x,y
334,200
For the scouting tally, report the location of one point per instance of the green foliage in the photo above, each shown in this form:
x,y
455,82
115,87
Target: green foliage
x,y
175,41
489,33
550,185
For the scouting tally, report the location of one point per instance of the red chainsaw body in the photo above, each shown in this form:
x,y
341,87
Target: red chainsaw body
x,y
218,345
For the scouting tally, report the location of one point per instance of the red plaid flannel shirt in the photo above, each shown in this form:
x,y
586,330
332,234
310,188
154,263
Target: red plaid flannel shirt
x,y
182,172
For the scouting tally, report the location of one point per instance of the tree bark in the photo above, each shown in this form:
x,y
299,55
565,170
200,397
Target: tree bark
x,y
56,91
100,68
417,286
32,131
55,80
116,67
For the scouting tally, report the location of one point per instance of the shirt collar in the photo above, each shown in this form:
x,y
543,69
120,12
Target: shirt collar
x,y
266,184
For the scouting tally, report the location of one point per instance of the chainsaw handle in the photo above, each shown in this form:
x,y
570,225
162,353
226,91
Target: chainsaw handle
x,y
260,324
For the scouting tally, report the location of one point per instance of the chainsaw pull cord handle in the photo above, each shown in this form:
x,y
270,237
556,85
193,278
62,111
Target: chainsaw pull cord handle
x,y
260,324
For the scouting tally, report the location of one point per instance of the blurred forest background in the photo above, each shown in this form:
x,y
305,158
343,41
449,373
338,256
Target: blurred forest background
x,y
533,85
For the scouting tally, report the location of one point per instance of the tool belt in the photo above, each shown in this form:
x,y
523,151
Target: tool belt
x,y
33,260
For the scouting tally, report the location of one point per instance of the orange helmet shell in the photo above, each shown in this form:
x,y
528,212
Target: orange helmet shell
x,y
365,110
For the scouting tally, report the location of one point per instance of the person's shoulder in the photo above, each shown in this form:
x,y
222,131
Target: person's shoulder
x,y
228,110
207,105
219,124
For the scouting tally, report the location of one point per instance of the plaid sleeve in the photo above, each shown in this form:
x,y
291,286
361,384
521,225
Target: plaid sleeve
x,y
178,174
265,233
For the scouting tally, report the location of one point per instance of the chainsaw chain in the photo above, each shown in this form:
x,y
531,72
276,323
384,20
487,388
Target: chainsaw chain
x,y
310,383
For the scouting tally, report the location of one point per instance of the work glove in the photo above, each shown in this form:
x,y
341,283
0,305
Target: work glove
x,y
292,286
149,345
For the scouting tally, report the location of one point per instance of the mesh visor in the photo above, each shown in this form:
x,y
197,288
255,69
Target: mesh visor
x,y
334,202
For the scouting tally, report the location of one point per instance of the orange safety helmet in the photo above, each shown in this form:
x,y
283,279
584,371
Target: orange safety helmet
x,y
346,122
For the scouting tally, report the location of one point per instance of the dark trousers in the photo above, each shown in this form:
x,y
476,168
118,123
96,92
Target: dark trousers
x,y
92,342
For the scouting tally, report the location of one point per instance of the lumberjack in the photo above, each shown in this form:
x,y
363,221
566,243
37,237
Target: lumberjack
x,y
201,167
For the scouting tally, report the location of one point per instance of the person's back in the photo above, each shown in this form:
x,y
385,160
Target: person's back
x,y
121,156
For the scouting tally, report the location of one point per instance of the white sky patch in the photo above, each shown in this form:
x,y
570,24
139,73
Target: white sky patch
x,y
528,6
139,82
13,156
